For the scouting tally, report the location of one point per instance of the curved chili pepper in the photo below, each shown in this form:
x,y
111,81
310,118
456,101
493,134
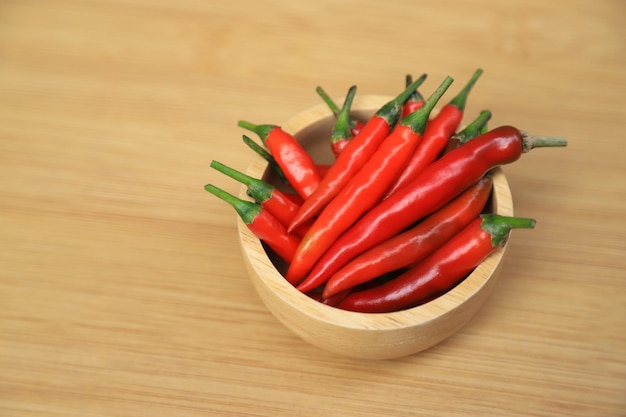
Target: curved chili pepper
x,y
355,155
260,222
341,132
441,181
364,190
355,125
297,165
436,136
477,127
412,246
440,271
415,100
279,204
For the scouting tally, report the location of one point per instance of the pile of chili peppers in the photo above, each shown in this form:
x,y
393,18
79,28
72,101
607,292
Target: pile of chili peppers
x,y
400,216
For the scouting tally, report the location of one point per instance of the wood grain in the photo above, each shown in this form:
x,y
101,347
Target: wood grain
x,y
122,287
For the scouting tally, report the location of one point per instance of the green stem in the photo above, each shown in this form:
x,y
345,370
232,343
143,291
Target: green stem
x,y
265,155
460,99
499,226
259,190
262,130
341,130
391,110
329,101
247,210
475,128
531,142
415,95
418,119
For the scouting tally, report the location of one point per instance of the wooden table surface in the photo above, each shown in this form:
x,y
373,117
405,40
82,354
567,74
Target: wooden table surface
x,y
122,287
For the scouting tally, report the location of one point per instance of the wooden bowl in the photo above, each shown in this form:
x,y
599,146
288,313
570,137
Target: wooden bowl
x,y
363,335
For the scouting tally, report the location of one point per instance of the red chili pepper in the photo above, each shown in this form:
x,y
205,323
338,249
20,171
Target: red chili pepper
x,y
279,204
322,169
440,271
260,222
430,190
355,125
436,136
412,246
477,127
363,191
341,133
415,100
356,153
297,165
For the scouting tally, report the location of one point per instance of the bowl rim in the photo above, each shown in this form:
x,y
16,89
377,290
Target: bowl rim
x,y
432,310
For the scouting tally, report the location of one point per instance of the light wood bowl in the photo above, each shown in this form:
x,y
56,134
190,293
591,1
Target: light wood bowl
x,y
361,335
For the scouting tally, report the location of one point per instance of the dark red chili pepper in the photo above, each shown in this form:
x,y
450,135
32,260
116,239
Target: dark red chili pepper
x,y
477,127
441,181
260,222
297,165
279,204
415,100
356,153
355,125
341,132
436,136
364,190
415,244
440,271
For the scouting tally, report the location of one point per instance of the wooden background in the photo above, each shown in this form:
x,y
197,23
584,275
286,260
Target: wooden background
x,y
122,288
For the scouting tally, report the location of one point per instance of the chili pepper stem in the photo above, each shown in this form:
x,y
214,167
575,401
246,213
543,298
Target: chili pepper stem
x,y
530,142
329,102
460,99
246,209
474,128
417,120
262,130
263,153
415,95
499,226
257,189
341,130
389,110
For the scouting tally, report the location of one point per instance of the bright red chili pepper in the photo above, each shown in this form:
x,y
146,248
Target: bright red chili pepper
x,y
280,205
297,165
436,136
355,125
260,222
341,133
430,190
415,100
440,271
415,244
322,169
364,190
477,127
356,153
